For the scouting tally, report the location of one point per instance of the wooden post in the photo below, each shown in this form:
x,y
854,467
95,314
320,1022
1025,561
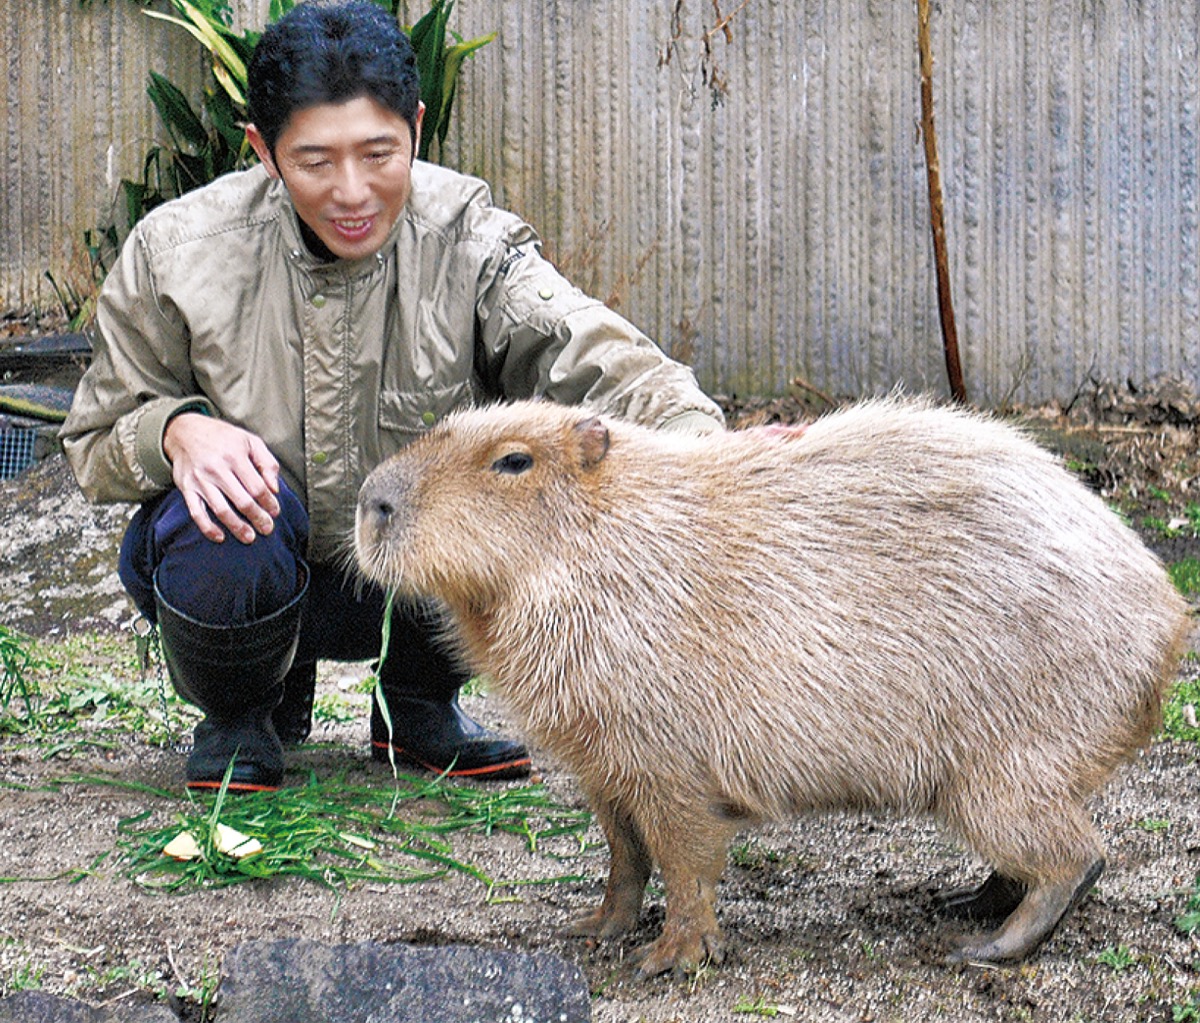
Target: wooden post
x,y
937,221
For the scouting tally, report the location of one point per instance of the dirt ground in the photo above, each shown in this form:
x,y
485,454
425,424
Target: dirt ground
x,y
828,918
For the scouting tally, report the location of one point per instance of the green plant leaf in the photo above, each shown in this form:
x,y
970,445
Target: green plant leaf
x,y
428,39
454,57
214,35
211,35
232,90
173,107
227,120
279,8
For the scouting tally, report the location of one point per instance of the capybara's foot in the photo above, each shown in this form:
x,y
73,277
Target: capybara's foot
x,y
680,953
995,899
601,923
1032,922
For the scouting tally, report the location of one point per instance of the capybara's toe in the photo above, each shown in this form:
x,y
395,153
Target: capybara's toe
x,y
679,954
598,924
971,952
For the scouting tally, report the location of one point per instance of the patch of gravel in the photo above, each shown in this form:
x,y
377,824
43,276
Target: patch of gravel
x,y
58,555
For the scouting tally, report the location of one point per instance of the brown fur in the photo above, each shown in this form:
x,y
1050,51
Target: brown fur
x,y
902,608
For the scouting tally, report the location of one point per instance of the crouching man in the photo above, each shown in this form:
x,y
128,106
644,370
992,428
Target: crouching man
x,y
266,340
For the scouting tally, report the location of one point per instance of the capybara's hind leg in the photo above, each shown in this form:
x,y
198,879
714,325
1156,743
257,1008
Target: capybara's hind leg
x,y
1030,835
628,872
691,856
995,899
1033,921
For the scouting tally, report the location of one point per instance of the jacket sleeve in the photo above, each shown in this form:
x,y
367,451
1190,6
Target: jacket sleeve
x,y
543,337
138,378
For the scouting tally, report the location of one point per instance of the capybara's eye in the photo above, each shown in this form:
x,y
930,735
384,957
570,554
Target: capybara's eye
x,y
514,463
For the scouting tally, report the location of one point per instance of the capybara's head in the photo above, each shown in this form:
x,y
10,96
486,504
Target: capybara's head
x,y
481,495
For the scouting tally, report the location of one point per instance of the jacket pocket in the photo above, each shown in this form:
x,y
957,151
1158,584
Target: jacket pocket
x,y
411,413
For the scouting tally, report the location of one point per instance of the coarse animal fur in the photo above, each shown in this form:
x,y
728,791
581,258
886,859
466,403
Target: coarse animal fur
x,y
902,607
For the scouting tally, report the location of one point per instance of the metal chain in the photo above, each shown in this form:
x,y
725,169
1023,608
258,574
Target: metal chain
x,y
149,654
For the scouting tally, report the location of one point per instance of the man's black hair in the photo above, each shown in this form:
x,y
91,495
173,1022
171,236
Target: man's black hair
x,y
331,53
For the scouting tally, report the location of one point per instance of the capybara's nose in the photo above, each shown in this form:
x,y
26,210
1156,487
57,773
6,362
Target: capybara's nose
x,y
380,508
377,502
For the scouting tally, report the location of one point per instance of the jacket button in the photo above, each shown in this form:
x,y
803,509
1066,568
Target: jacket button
x,y
318,300
320,458
545,294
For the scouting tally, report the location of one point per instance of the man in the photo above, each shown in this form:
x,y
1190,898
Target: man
x,y
264,341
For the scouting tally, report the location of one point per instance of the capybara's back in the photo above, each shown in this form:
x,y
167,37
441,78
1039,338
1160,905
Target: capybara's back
x,y
902,607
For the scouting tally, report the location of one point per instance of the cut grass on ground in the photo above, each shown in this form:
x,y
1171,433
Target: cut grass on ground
x,y
335,834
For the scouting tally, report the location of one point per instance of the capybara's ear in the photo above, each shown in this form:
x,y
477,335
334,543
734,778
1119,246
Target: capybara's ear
x,y
593,441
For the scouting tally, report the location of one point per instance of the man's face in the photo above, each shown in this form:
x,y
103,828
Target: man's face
x,y
348,169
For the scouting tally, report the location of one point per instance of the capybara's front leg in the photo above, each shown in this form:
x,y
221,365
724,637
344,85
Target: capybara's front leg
x,y
691,857
628,872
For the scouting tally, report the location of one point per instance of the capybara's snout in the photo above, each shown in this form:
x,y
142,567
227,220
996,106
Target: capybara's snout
x,y
377,502
383,513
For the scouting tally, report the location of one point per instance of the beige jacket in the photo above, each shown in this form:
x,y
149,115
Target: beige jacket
x,y
215,299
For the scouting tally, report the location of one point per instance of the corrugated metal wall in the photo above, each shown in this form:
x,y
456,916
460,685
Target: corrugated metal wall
x,y
783,230
76,120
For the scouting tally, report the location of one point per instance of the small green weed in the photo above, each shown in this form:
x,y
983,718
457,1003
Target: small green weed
x,y
334,708
756,1007
206,992
1179,711
1116,958
17,666
89,691
1189,920
1154,824
1159,526
135,974
1189,1011
1185,575
476,686
753,854
26,977
1185,524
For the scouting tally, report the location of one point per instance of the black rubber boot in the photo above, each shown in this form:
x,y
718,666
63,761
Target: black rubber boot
x,y
293,717
428,728
234,674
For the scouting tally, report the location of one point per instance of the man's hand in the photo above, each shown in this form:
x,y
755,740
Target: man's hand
x,y
223,471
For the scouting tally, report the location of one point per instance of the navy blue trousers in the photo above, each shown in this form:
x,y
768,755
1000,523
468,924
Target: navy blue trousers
x,y
232,583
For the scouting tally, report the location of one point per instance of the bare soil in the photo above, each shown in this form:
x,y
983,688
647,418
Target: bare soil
x,y
827,918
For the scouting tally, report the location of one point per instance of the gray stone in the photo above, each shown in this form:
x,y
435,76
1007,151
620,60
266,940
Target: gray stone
x,y
40,1007
304,981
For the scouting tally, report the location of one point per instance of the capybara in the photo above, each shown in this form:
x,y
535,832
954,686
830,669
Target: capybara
x,y
903,608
